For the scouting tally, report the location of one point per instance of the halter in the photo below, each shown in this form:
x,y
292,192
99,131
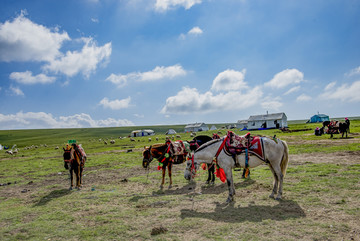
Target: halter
x,y
67,154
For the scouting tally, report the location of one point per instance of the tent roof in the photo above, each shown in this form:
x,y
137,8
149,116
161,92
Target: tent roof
x,y
274,116
195,125
320,115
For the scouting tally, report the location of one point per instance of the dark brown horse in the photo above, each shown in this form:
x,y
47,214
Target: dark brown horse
x,y
165,154
336,127
195,144
74,161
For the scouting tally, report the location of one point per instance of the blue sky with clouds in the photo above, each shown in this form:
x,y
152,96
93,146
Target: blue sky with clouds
x,y
98,63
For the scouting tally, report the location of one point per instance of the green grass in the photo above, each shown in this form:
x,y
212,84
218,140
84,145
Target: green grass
x,y
320,199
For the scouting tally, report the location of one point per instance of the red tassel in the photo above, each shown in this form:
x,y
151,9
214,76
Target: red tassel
x,y
159,168
221,174
203,166
247,172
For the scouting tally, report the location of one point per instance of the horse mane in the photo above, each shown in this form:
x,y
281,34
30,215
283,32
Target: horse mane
x,y
202,138
158,145
209,143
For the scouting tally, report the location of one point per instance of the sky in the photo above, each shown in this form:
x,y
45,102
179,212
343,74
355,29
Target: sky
x,y
110,63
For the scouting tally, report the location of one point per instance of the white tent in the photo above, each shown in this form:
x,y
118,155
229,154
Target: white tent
x,y
138,133
213,128
170,132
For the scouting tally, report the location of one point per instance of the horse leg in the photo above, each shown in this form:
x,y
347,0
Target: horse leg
x,y
81,170
275,183
71,177
163,177
209,174
279,178
77,172
169,170
212,172
230,183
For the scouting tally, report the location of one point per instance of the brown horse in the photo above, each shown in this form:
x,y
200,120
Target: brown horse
x,y
74,161
165,154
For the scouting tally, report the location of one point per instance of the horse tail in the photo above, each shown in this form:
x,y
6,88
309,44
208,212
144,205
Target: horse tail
x,y
285,158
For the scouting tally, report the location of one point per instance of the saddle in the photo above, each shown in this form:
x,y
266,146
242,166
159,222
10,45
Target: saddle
x,y
178,150
236,145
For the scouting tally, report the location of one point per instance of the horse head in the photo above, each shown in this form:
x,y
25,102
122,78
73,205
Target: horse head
x,y
191,168
67,156
67,153
147,157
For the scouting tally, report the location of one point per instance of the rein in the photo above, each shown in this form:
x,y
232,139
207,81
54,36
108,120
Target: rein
x,y
221,147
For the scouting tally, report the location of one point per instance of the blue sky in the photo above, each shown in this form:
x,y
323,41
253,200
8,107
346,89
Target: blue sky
x,y
98,63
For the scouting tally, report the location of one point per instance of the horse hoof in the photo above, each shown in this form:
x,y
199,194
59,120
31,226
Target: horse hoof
x,y
161,187
212,183
70,188
278,198
229,200
170,186
207,182
271,196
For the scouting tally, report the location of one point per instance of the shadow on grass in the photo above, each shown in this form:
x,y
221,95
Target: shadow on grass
x,y
285,209
189,189
53,195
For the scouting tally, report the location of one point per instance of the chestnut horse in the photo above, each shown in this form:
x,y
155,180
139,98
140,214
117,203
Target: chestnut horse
x,y
165,155
74,161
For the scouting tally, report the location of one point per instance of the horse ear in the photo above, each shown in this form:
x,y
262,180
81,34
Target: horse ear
x,y
63,148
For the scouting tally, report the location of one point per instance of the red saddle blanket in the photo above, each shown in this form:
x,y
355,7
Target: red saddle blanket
x,y
236,145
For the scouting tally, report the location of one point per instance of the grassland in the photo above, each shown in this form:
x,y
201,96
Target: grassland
x,y
122,201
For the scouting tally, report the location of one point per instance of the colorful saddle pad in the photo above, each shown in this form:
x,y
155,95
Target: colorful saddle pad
x,y
236,145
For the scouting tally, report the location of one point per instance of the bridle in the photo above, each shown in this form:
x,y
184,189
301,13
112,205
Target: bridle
x,y
193,167
146,162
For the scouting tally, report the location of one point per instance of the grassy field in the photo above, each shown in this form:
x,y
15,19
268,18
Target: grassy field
x,y
122,201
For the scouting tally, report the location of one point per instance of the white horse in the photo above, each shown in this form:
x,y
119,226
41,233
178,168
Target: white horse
x,y
276,156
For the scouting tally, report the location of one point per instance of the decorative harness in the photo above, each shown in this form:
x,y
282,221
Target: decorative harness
x,y
168,152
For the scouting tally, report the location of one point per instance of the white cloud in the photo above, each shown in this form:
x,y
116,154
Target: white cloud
x,y
229,80
85,61
195,31
164,5
94,20
292,90
115,104
303,98
189,100
139,115
23,40
355,71
158,73
41,120
330,86
285,78
27,78
346,92
119,80
272,103
16,91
